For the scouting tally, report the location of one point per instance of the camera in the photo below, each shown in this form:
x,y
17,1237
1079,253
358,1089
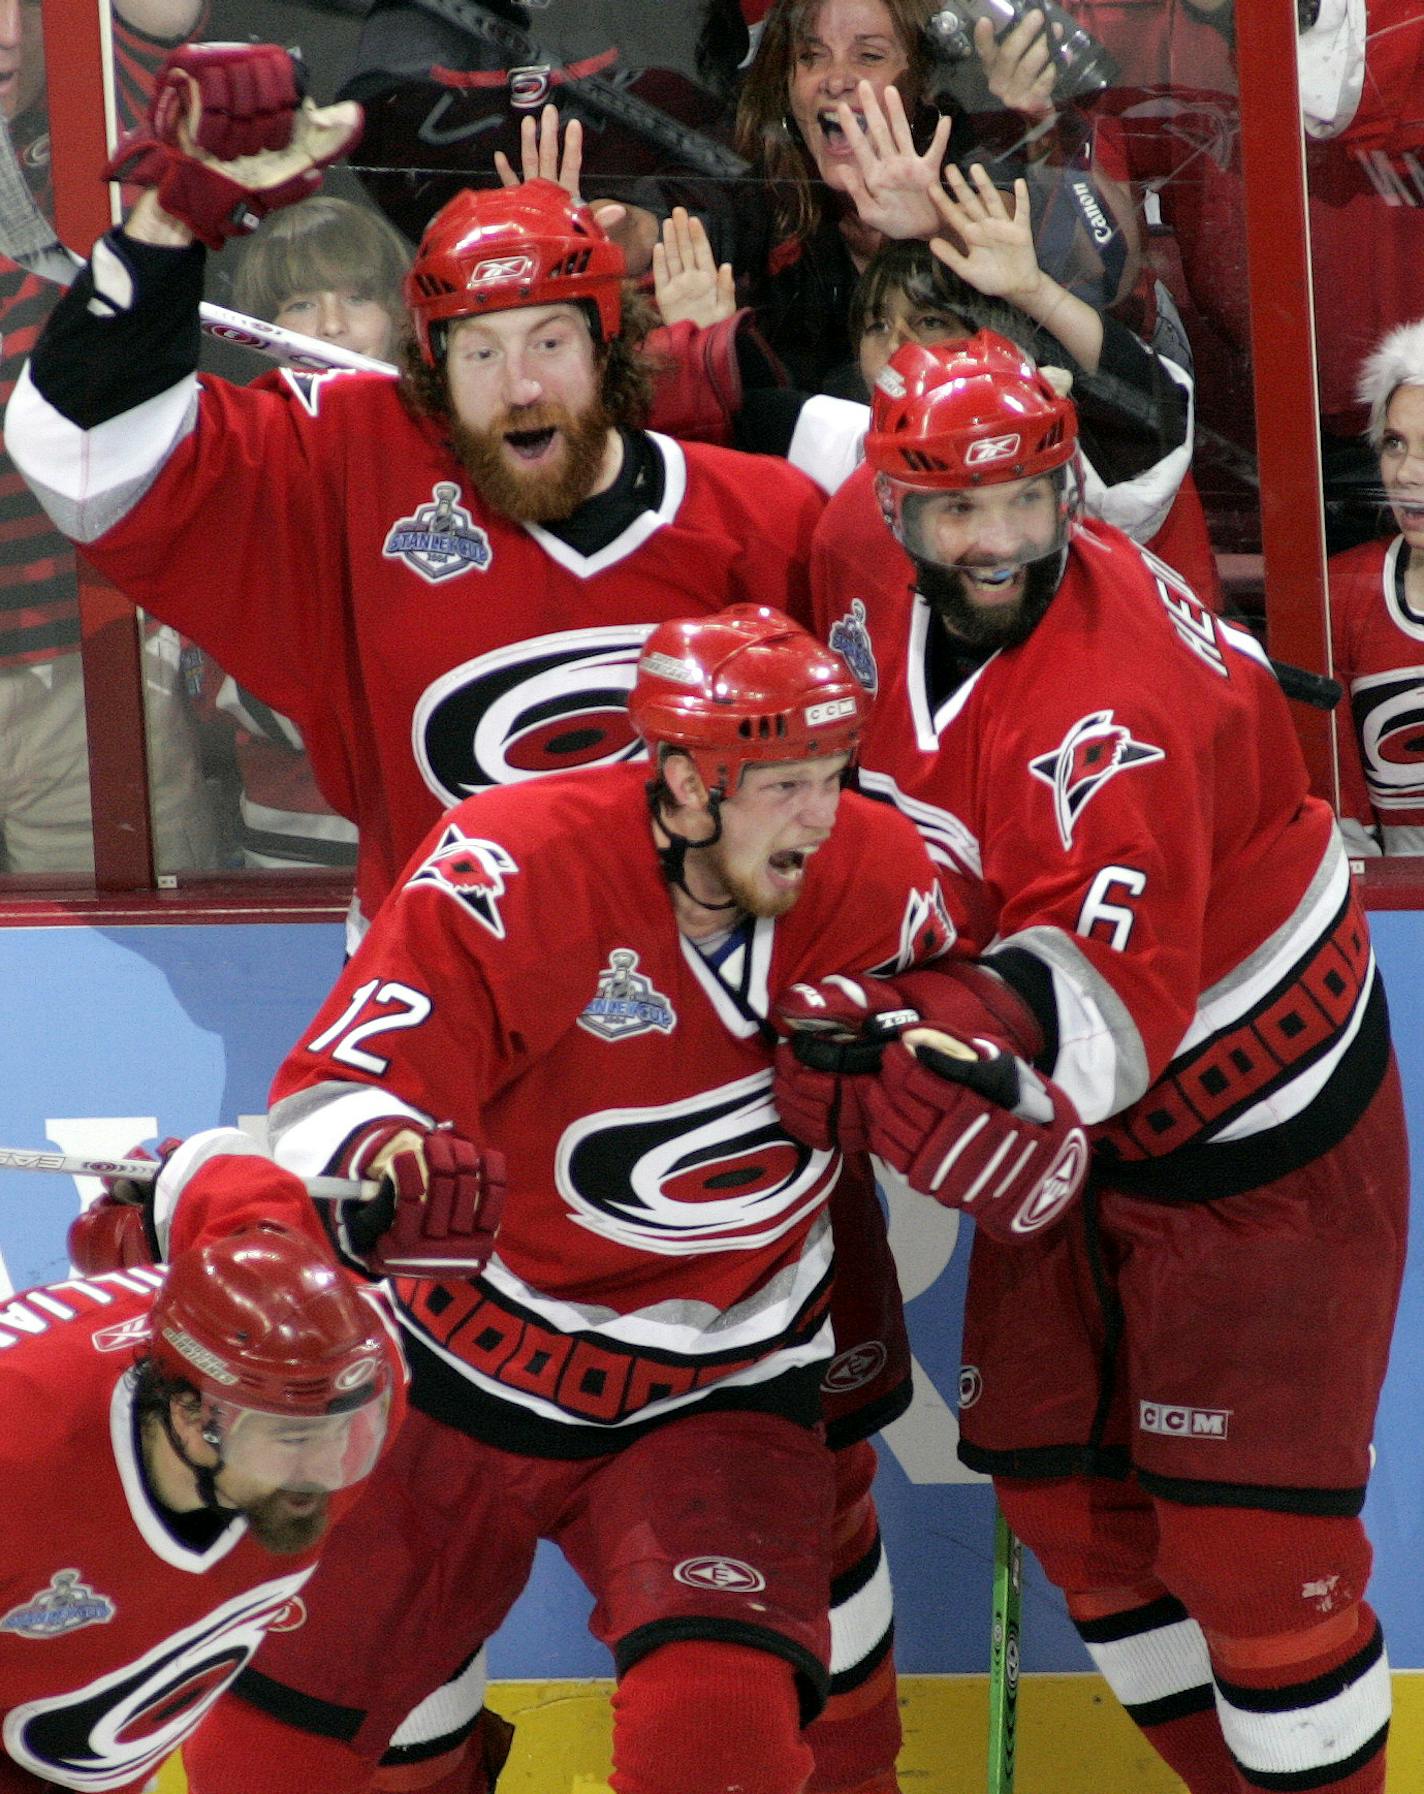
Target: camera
x,y
1084,66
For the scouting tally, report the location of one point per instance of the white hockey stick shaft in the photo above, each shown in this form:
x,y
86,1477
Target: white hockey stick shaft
x,y
290,347
144,1171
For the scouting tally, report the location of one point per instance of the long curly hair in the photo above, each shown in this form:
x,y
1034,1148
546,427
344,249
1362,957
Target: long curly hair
x,y
766,133
627,371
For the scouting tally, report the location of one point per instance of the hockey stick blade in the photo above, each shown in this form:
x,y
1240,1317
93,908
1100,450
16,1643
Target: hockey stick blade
x,y
1004,1657
290,347
144,1171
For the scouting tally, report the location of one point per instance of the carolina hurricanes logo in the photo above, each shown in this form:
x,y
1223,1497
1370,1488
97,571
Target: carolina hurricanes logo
x,y
549,704
715,1172
471,871
1389,715
1092,751
117,1729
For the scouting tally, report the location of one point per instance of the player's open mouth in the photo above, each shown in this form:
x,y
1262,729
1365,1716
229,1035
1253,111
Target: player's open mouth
x,y
996,583
1411,515
530,445
788,866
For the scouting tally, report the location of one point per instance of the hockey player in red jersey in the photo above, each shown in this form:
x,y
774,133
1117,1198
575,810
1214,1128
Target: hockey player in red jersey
x,y
171,1453
583,969
1167,929
443,580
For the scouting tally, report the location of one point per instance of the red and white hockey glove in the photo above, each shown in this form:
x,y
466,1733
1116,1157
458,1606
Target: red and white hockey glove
x,y
229,137
440,1204
978,1130
837,1030
117,1229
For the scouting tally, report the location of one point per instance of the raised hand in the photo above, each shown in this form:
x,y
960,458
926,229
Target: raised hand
x,y
687,282
892,183
990,241
1019,68
541,156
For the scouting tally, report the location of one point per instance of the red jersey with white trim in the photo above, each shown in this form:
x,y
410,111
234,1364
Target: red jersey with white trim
x,y
1124,797
116,1633
664,1241
327,550
1378,641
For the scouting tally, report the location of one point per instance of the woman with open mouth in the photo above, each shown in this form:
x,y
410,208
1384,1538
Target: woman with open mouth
x,y
829,71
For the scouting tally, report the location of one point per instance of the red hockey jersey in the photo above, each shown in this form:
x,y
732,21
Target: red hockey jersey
x,y
116,1636
327,550
1124,796
1378,643
664,1240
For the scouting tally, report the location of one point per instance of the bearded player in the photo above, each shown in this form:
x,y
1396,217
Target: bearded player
x,y
1167,929
172,1452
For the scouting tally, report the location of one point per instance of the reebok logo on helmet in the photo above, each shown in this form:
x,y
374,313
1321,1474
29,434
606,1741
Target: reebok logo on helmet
x,y
992,448
504,267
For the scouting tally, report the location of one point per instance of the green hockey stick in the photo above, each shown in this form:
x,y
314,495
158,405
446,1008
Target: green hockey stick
x,y
1004,1657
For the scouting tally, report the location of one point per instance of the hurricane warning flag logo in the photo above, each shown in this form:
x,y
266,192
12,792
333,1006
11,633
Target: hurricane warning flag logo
x,y
472,871
1092,751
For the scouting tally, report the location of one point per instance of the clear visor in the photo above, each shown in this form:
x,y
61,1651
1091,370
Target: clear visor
x,y
303,1451
981,529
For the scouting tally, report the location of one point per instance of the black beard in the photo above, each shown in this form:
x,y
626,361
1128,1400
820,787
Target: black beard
x,y
943,590
535,497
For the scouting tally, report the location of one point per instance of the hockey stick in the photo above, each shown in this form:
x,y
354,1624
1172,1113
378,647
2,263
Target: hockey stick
x,y
144,1171
1004,1656
290,347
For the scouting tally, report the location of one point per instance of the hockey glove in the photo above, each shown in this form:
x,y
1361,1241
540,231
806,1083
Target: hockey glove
x,y
837,1032
439,1206
229,137
117,1229
978,1130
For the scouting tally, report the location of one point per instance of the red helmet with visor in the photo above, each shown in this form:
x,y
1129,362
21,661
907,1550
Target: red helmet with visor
x,y
284,1353
962,416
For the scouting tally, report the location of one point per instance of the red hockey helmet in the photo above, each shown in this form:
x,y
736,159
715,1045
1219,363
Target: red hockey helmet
x,y
265,1326
505,247
961,416
742,688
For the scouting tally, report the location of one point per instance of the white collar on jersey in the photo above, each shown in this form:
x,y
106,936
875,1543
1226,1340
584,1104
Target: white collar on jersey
x,y
142,1506
644,525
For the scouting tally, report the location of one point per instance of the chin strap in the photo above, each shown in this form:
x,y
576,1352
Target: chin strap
x,y
672,850
205,1475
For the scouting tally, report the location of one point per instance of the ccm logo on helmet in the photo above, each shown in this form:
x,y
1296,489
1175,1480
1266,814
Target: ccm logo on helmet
x,y
992,448
829,712
504,267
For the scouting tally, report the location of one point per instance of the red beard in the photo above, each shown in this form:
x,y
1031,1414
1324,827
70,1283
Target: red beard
x,y
545,494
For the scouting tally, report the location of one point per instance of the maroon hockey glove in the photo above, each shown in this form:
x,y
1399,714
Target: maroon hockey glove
x,y
837,1031
117,1230
228,138
979,1131
440,1206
